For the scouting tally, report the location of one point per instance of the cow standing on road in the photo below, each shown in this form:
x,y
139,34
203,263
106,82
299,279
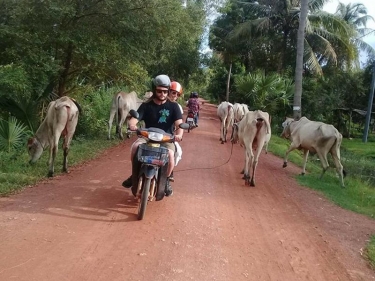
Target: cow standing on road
x,y
122,103
251,133
315,137
239,111
226,116
61,119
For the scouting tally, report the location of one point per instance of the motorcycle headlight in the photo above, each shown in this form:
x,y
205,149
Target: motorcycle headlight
x,y
155,136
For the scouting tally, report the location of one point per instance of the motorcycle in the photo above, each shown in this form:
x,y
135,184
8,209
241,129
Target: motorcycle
x,y
150,165
190,119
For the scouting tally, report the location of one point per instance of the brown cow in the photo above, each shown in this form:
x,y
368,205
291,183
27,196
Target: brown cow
x,y
122,103
251,132
61,119
315,137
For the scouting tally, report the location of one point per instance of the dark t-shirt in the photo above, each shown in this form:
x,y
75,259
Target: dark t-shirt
x,y
160,116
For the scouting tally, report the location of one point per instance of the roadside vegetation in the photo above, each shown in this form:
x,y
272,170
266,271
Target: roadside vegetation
x,y
359,192
89,50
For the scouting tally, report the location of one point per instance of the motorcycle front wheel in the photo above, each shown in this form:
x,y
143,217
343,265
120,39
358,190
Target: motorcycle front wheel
x,y
146,182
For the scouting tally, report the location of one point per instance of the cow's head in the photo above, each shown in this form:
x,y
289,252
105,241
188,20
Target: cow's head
x,y
286,126
147,96
234,136
35,149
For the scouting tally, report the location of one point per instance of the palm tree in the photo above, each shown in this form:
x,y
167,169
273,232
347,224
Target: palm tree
x,y
279,20
12,134
356,16
225,49
269,92
299,60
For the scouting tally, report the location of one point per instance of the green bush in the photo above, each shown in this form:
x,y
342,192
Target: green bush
x,y
12,134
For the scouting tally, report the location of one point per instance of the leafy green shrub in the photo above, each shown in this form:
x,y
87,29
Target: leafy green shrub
x,y
95,106
12,134
268,92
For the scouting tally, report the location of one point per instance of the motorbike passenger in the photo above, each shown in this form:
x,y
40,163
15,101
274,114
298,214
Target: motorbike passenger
x,y
158,112
193,106
174,94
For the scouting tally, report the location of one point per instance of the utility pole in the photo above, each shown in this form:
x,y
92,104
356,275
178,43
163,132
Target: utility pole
x,y
369,106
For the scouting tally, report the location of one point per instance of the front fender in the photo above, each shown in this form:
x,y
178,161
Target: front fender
x,y
148,171
161,182
138,170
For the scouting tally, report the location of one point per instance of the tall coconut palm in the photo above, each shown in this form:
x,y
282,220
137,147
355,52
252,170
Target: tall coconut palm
x,y
299,60
280,20
356,16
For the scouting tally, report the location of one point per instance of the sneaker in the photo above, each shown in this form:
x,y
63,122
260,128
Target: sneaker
x,y
196,125
168,189
128,182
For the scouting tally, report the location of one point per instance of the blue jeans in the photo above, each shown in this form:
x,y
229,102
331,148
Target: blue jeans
x,y
196,117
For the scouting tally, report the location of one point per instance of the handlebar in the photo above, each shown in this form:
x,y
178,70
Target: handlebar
x,y
154,135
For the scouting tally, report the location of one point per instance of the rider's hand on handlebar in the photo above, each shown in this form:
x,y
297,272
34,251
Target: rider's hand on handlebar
x,y
178,138
133,128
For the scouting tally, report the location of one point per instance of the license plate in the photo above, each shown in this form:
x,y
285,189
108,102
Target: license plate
x,y
154,144
190,119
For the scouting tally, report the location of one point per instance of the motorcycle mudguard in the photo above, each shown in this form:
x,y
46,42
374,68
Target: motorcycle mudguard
x,y
148,171
162,178
136,166
162,181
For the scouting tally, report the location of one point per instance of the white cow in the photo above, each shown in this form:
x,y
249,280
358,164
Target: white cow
x,y
122,103
251,133
226,115
268,137
239,111
245,108
61,119
315,137
147,96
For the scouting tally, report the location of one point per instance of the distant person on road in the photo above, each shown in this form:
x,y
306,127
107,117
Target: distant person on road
x,y
193,106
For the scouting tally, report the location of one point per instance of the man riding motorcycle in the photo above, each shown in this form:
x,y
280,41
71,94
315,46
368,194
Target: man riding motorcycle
x,y
158,112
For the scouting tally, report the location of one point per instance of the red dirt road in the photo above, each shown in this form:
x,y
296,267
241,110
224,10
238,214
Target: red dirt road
x,y
83,226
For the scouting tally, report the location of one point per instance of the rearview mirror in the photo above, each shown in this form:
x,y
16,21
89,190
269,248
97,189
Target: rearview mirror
x,y
134,113
184,126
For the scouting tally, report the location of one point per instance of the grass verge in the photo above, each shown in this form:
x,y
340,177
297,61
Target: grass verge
x,y
359,193
370,252
17,174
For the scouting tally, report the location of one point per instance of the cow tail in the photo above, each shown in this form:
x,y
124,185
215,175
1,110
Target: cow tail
x,y
118,110
230,116
77,105
268,123
259,124
65,105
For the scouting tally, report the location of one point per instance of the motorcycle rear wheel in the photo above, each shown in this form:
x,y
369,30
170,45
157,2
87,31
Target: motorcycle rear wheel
x,y
190,127
144,199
